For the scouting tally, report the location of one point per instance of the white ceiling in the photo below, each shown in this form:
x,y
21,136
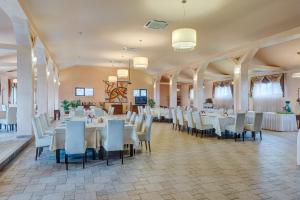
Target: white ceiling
x,y
108,26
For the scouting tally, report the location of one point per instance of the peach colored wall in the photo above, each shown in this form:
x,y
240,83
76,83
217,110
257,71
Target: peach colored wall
x,y
82,76
164,94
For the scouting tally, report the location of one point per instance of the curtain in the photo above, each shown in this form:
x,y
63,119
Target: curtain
x,y
223,96
267,94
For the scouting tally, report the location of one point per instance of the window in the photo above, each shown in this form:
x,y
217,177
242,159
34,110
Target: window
x,y
267,97
140,96
84,91
223,96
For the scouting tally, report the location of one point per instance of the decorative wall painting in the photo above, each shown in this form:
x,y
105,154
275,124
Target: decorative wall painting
x,y
116,92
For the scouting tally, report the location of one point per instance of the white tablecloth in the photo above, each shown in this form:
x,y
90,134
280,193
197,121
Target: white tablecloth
x,y
276,122
93,135
218,122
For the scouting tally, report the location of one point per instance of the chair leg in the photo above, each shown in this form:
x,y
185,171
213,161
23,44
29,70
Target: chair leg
x,y
66,161
254,135
36,152
235,136
260,135
122,156
149,146
40,151
146,145
107,155
243,136
83,160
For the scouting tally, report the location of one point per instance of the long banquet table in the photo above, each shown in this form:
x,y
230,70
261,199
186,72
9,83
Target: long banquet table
x,y
95,133
275,121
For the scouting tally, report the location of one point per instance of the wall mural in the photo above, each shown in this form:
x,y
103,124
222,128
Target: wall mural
x,y
116,92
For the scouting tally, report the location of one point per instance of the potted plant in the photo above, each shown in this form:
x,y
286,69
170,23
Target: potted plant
x,y
151,103
66,106
74,104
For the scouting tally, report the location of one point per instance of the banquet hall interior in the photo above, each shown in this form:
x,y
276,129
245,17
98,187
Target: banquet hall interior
x,y
149,99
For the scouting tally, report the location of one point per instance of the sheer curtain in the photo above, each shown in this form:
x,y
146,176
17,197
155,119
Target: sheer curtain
x,y
223,97
267,97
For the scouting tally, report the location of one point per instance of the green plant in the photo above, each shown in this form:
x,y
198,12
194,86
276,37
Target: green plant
x,y
75,103
66,105
151,103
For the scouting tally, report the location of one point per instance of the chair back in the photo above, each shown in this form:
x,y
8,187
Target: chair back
x,y
43,122
190,121
111,110
174,116
79,113
99,112
132,118
180,117
240,122
138,122
80,107
147,125
114,140
258,121
75,137
48,119
37,129
3,107
148,110
197,120
11,115
128,116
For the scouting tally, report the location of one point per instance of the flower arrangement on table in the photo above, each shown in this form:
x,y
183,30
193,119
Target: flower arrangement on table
x,y
286,109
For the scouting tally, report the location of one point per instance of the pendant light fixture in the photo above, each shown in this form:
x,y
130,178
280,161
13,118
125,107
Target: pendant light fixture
x,y
184,39
140,62
122,73
112,79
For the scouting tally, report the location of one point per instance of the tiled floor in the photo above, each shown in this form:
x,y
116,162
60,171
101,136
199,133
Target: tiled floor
x,y
179,167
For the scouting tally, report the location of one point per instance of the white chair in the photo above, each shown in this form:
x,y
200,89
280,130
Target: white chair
x,y
114,138
75,140
111,110
200,127
128,115
41,140
256,126
181,121
132,118
45,126
138,122
238,127
145,134
174,118
190,123
3,107
79,113
80,108
10,119
99,112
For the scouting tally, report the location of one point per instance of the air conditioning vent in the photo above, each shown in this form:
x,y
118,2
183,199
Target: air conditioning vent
x,y
156,24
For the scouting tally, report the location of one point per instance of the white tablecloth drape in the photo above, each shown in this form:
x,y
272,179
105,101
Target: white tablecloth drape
x,y
218,122
93,135
276,122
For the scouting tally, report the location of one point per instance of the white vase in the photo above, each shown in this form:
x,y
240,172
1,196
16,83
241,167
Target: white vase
x,y
298,148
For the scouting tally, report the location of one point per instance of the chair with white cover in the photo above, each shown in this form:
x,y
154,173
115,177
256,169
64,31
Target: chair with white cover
x,y
41,140
111,110
47,130
99,112
174,118
200,127
10,119
138,122
79,113
75,141
181,121
238,127
132,118
114,138
128,116
256,126
190,123
3,107
145,133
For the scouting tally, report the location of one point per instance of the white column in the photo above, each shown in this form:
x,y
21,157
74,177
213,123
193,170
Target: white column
x,y
173,91
56,91
51,90
156,89
185,99
241,88
4,89
198,83
42,82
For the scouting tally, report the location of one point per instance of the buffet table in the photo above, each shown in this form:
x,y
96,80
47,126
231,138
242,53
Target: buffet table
x,y
275,121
